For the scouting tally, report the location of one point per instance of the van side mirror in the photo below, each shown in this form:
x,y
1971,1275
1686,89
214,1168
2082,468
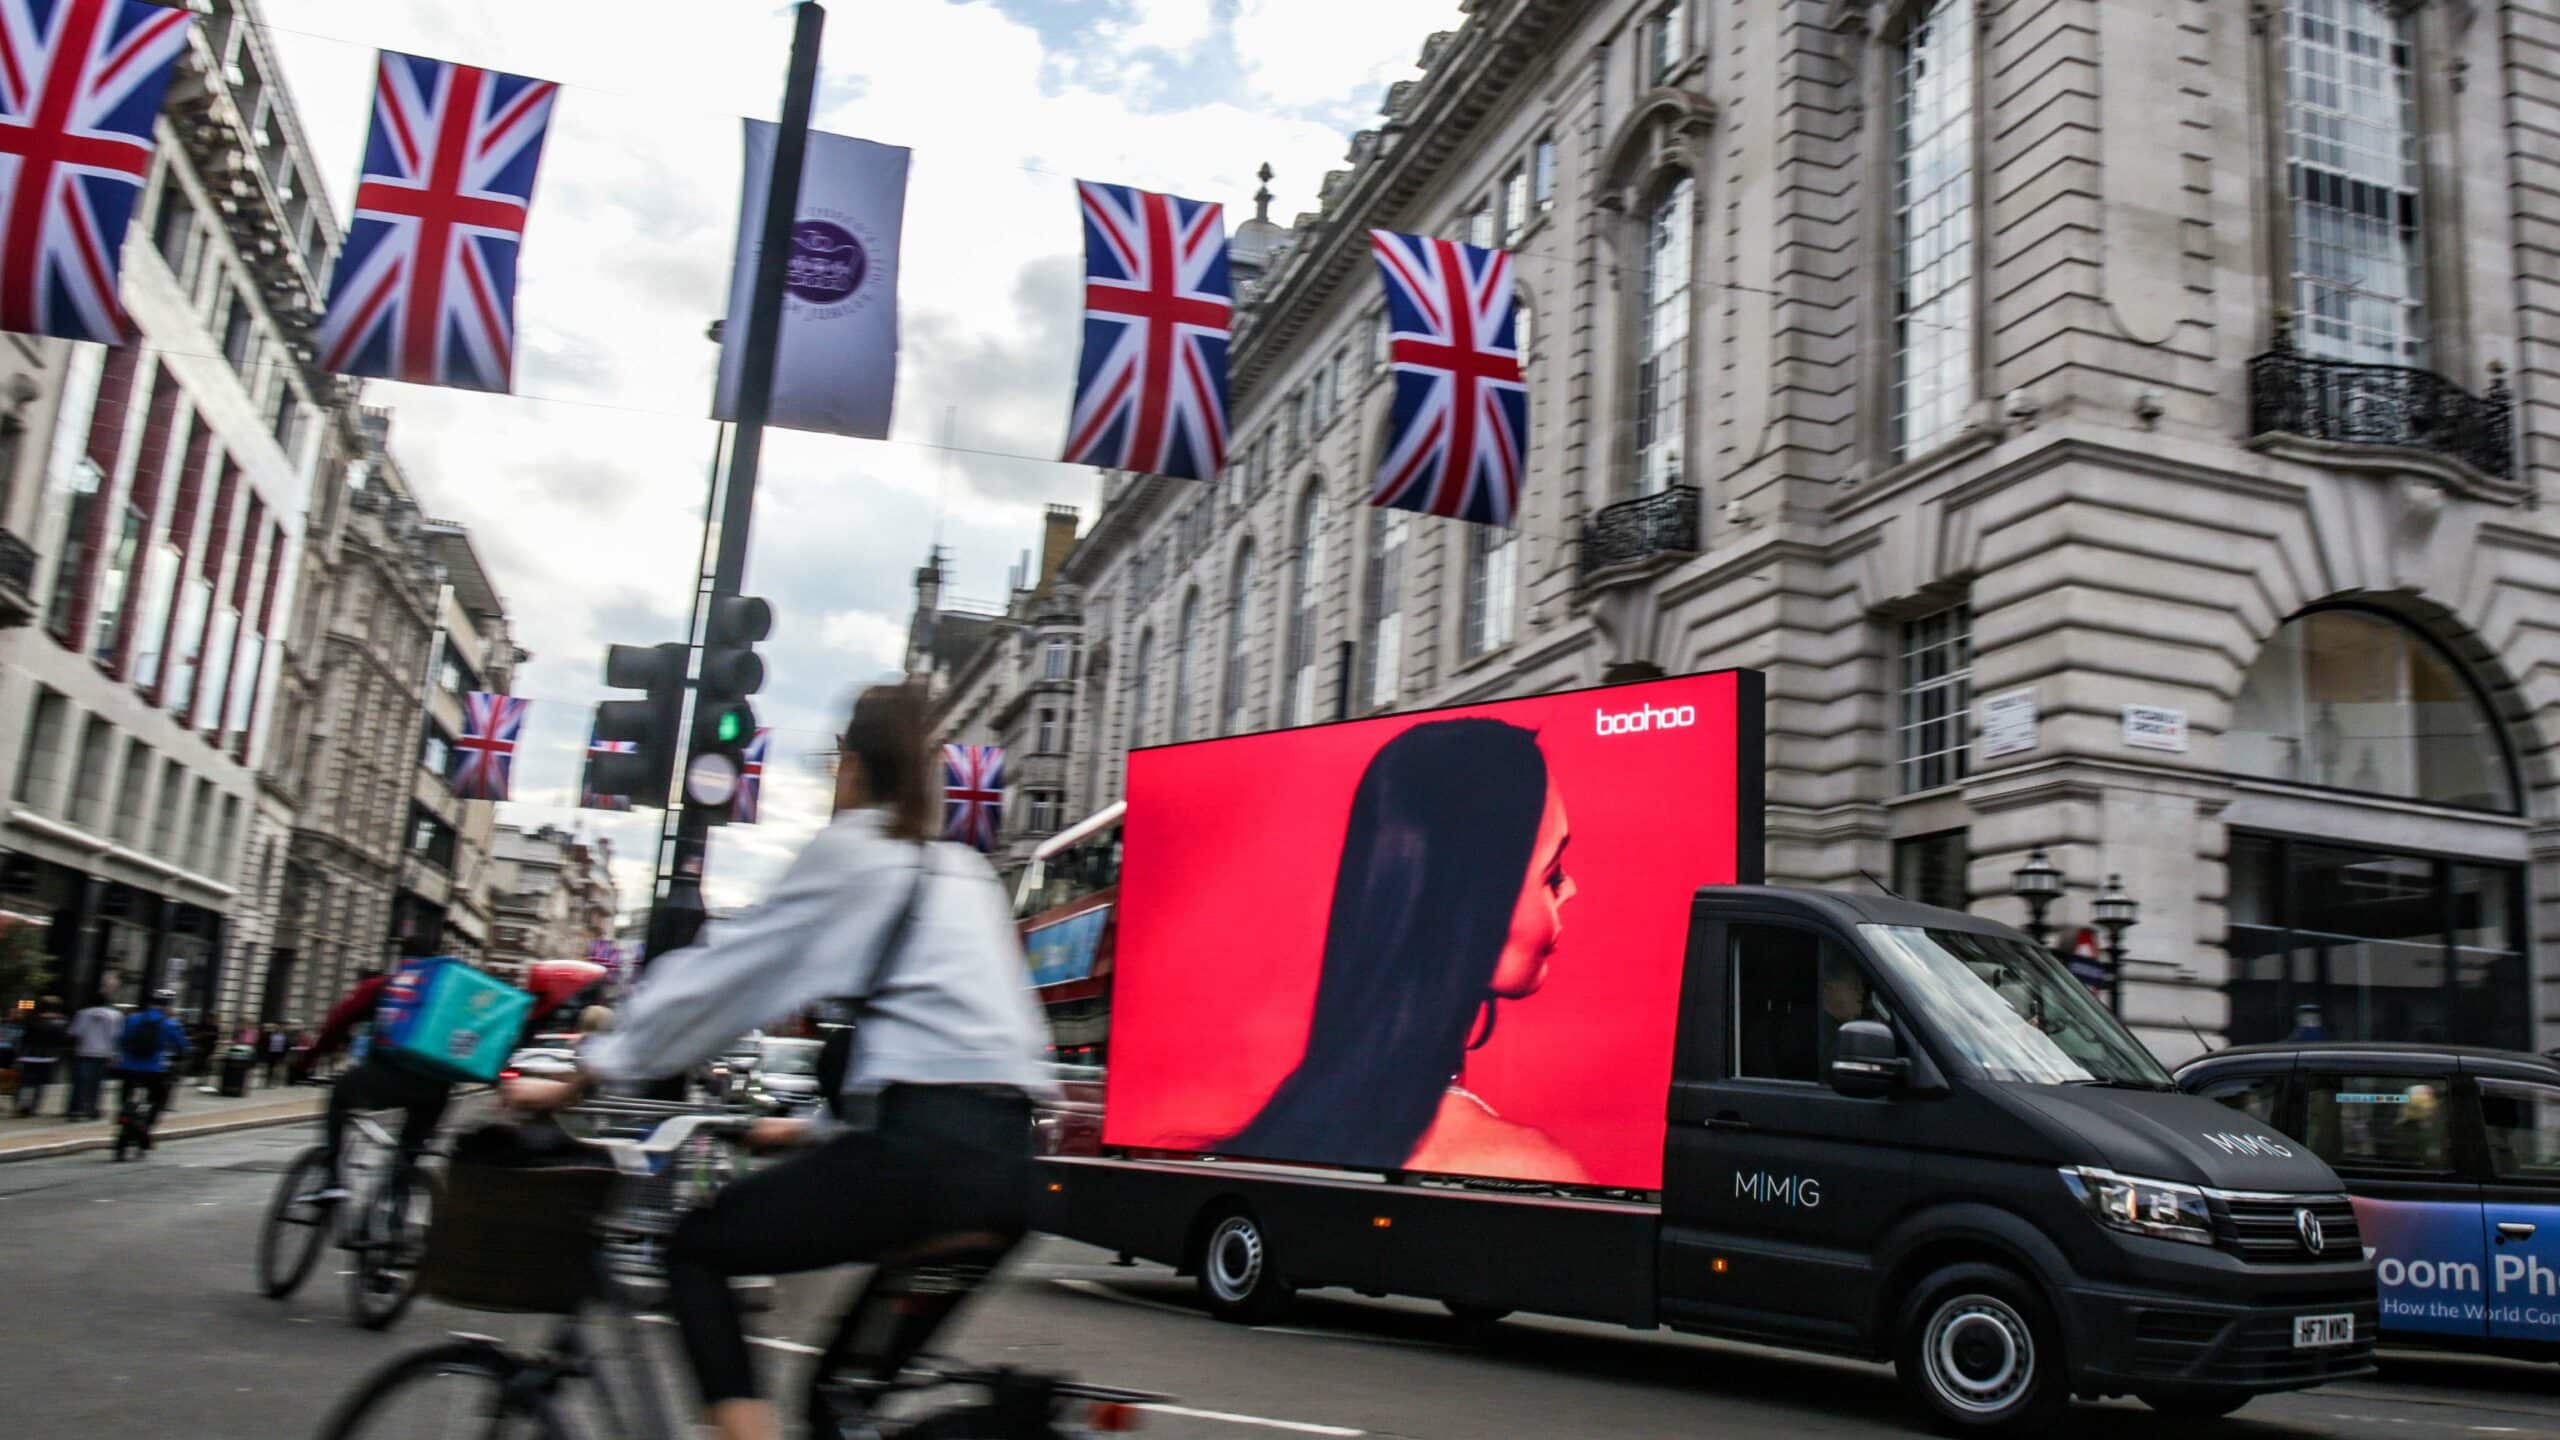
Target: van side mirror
x,y
1867,1061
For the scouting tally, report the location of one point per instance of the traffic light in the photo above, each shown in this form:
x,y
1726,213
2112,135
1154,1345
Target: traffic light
x,y
723,721
648,726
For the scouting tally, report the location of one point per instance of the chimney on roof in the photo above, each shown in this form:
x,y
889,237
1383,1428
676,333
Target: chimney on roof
x,y
1057,537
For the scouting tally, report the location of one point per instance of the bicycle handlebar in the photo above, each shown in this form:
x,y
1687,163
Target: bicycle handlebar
x,y
676,1124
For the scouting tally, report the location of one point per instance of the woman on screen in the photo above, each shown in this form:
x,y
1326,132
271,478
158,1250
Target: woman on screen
x,y
1448,901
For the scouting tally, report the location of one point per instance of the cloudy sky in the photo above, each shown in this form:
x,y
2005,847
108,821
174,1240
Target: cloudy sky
x,y
584,490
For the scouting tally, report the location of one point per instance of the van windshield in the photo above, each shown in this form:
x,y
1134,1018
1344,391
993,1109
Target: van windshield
x,y
2010,1007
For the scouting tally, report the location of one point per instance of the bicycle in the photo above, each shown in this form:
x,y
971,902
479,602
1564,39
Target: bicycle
x,y
873,1365
385,1229
139,1105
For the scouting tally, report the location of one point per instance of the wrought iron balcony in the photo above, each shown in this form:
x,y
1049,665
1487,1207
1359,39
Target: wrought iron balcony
x,y
1663,525
17,581
2291,393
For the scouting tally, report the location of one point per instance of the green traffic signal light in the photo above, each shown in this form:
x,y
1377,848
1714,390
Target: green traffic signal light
x,y
732,727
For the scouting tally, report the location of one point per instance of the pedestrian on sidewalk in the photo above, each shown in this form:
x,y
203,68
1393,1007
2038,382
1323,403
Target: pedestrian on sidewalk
x,y
93,1048
150,1054
40,1049
275,1046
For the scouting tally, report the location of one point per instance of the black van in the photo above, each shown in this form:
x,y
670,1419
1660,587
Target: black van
x,y
1893,1132
2453,1158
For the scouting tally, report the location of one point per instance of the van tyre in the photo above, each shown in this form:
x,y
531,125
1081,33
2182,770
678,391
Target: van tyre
x,y
1978,1349
1239,1278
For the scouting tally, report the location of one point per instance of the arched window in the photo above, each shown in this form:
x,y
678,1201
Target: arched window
x,y
1493,586
1306,577
2353,159
1662,375
1185,639
2355,700
1933,202
1235,708
1138,674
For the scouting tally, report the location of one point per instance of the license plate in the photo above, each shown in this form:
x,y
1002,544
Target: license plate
x,y
2310,1332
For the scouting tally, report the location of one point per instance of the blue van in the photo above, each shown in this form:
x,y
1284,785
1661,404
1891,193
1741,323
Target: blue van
x,y
2452,1157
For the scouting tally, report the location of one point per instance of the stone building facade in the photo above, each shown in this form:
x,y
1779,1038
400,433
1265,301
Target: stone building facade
x,y
154,505
553,897
2175,382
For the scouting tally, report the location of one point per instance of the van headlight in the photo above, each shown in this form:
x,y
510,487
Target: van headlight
x,y
2142,1207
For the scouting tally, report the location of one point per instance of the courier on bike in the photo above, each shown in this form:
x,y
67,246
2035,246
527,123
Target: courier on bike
x,y
931,1152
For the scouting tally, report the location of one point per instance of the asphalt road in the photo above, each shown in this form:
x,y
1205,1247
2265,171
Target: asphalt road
x,y
129,1311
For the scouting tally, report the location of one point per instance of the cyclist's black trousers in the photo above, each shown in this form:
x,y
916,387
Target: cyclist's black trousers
x,y
378,1085
146,1089
941,1160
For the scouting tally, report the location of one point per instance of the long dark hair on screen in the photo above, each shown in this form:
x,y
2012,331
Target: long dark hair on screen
x,y
1432,865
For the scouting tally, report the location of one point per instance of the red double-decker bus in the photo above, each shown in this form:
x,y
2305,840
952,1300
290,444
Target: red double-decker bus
x,y
1067,907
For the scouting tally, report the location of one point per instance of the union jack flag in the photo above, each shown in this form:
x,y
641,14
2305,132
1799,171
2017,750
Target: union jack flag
x,y
972,794
750,798
484,763
1459,434
426,291
80,84
589,798
1151,385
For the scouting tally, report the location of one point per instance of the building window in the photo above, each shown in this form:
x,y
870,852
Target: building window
x,y
436,755
1542,174
89,773
1480,231
85,483
2352,164
159,582
1933,120
1295,416
1515,204
1929,869
1382,666
1523,332
1306,576
1138,689
173,231
288,420
1235,706
46,715
2355,700
1057,660
1045,739
1936,693
239,334
1493,583
1665,43
2341,942
1381,341
1186,639
1042,811
112,609
164,820
1662,375
133,792
430,839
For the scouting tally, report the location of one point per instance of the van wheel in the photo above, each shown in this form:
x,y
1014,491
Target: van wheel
x,y
1979,1350
1239,1280
2194,1404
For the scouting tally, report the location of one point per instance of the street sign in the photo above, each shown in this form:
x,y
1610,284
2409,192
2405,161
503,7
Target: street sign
x,y
2008,724
711,779
2155,727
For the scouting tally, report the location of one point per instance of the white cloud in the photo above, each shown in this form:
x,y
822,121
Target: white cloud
x,y
584,491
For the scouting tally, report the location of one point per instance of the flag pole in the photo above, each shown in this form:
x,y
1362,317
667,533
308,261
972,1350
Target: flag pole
x,y
678,916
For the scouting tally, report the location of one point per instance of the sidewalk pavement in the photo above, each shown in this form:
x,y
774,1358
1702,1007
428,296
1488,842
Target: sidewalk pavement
x,y
197,1112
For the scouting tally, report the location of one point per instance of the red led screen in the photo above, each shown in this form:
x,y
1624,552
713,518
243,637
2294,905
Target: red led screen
x,y
1447,942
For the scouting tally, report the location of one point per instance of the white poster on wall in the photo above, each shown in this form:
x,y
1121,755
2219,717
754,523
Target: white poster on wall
x,y
2155,727
2006,724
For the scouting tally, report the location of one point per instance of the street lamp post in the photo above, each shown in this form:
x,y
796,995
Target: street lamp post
x,y
2039,883
2114,912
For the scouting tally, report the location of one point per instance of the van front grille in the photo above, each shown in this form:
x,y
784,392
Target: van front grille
x,y
2268,1228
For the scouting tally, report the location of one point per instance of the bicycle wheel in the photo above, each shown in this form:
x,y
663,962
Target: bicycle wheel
x,y
466,1388
294,1234
390,1241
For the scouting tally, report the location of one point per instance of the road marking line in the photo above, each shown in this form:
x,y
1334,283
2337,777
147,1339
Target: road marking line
x,y
1301,1427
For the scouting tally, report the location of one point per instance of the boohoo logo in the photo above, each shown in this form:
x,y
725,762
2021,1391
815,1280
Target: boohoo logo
x,y
1636,722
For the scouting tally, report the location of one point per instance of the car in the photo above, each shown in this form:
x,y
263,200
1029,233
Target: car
x,y
785,1077
729,1071
2451,1156
1071,1124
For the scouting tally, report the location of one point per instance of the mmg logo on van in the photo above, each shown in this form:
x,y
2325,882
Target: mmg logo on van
x,y
2230,1144
1801,1192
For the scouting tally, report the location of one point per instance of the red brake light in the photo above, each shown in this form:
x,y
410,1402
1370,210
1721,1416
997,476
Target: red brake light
x,y
1112,1417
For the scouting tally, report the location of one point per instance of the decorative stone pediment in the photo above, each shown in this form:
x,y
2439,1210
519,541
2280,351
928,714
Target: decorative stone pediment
x,y
1666,131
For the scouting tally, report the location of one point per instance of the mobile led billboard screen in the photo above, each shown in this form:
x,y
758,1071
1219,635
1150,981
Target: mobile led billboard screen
x,y
1447,942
